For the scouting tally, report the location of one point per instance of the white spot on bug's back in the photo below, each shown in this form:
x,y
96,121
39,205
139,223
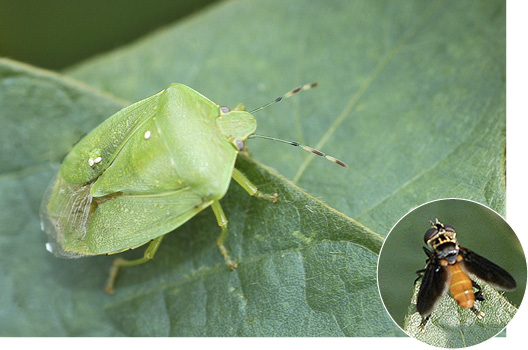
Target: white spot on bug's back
x,y
49,248
95,157
147,135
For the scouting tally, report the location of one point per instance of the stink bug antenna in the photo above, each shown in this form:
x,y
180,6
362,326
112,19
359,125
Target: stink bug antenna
x,y
293,143
306,148
286,95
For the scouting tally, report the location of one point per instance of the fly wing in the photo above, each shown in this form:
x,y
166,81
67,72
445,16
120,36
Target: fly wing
x,y
487,271
434,285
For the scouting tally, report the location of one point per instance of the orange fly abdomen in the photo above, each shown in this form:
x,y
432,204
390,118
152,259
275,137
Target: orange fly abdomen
x,y
461,287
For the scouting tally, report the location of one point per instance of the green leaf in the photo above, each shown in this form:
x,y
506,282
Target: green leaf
x,y
411,95
304,268
450,326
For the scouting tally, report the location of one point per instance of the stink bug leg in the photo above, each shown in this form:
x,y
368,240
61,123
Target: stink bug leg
x,y
243,181
221,218
222,222
120,262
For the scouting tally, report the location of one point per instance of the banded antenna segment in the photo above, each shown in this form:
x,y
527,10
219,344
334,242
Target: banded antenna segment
x,y
294,143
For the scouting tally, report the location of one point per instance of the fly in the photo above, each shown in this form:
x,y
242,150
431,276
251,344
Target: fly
x,y
449,267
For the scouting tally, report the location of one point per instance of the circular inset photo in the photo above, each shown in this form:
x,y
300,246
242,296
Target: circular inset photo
x,y
452,273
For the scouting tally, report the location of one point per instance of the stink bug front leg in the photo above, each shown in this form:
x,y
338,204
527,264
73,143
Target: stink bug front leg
x,y
222,222
243,181
222,219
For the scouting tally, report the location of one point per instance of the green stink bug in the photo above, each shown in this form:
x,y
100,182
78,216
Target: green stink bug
x,y
147,170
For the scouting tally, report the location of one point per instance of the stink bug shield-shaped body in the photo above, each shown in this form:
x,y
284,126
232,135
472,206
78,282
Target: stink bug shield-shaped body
x,y
143,186
449,266
145,171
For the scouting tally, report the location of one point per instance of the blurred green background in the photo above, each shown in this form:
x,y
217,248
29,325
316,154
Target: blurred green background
x,y
65,32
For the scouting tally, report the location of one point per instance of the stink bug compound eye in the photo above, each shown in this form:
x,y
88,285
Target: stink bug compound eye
x,y
175,150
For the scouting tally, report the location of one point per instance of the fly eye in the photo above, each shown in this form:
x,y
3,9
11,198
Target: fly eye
x,y
430,234
224,109
240,144
449,228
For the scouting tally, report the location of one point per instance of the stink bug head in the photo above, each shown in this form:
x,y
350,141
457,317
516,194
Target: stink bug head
x,y
236,126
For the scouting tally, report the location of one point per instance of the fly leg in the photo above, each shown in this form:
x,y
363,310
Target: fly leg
x,y
478,313
420,274
478,296
421,327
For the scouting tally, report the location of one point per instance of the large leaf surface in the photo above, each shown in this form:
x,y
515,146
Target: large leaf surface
x,y
412,97
305,269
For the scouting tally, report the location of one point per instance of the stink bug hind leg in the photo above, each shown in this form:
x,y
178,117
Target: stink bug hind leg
x,y
120,262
